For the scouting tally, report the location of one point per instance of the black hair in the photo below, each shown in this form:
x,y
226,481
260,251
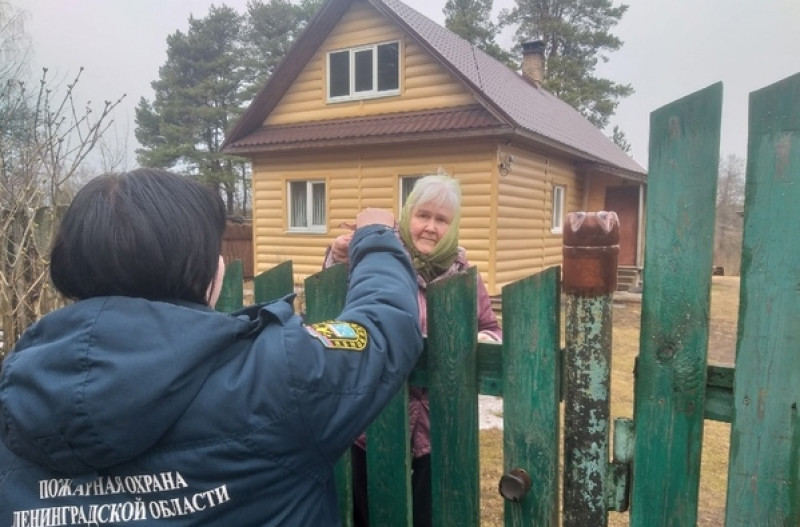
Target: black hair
x,y
146,233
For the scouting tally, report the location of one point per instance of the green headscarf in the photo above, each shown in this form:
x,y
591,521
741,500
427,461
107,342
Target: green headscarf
x,y
432,265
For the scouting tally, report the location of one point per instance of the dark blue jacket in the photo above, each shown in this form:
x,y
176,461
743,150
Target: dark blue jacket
x,y
123,411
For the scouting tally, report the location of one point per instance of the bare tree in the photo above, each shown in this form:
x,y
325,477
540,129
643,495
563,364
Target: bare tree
x,y
14,42
730,208
45,138
113,150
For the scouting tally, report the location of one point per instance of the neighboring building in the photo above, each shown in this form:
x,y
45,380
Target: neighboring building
x,y
373,95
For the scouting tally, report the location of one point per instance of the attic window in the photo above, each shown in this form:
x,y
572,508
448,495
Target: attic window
x,y
364,72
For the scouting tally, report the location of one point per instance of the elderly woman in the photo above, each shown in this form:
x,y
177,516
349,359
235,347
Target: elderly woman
x,y
429,230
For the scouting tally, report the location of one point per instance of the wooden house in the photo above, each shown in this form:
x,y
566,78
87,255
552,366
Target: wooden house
x,y
373,95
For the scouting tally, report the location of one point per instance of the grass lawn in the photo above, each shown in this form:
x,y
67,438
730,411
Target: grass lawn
x,y
722,341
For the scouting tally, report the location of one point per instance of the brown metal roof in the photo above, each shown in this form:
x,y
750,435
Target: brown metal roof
x,y
454,121
517,105
532,108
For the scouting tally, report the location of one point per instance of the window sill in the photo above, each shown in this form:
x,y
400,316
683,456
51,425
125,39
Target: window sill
x,y
313,230
364,96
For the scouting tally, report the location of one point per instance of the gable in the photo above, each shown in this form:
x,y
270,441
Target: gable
x,y
441,74
424,83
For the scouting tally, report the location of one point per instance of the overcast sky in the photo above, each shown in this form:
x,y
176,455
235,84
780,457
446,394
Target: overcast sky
x,y
670,50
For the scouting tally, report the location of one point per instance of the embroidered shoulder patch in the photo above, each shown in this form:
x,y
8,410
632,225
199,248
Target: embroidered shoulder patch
x,y
339,335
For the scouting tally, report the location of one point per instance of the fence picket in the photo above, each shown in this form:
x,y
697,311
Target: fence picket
x,y
274,283
389,464
453,392
231,296
325,295
531,368
764,468
671,371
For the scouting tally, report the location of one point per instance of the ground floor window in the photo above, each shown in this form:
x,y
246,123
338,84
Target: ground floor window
x,y
406,186
559,195
307,206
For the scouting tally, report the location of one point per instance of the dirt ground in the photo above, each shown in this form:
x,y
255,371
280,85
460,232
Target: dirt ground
x,y
724,317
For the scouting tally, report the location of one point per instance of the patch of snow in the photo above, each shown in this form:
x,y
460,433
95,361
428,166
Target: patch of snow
x,y
490,412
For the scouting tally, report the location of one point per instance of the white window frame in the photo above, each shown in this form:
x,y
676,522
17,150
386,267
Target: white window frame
x,y
402,182
559,202
366,94
309,226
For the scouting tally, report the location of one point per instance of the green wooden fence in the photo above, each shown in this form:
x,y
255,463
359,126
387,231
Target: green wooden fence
x,y
656,454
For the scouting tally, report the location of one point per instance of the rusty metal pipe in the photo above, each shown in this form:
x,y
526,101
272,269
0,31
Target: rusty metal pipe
x,y
591,245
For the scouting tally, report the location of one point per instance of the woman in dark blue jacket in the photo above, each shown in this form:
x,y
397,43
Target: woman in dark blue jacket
x,y
139,404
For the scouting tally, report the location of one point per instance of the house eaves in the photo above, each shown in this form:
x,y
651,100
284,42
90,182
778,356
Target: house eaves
x,y
447,123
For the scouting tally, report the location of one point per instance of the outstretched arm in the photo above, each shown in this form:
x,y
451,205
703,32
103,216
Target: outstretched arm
x,y
343,384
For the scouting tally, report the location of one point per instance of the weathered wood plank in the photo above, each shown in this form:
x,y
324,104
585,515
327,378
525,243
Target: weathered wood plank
x,y
274,283
764,469
389,464
532,371
671,377
453,392
489,363
231,295
325,295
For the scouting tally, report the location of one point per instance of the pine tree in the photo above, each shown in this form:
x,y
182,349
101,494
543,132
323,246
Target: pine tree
x,y
471,20
271,29
198,88
211,74
577,35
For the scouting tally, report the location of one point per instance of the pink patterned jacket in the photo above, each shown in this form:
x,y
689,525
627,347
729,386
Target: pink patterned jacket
x,y
418,405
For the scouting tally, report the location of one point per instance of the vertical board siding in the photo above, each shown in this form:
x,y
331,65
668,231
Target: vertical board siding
x,y
670,382
424,84
671,372
596,192
764,470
